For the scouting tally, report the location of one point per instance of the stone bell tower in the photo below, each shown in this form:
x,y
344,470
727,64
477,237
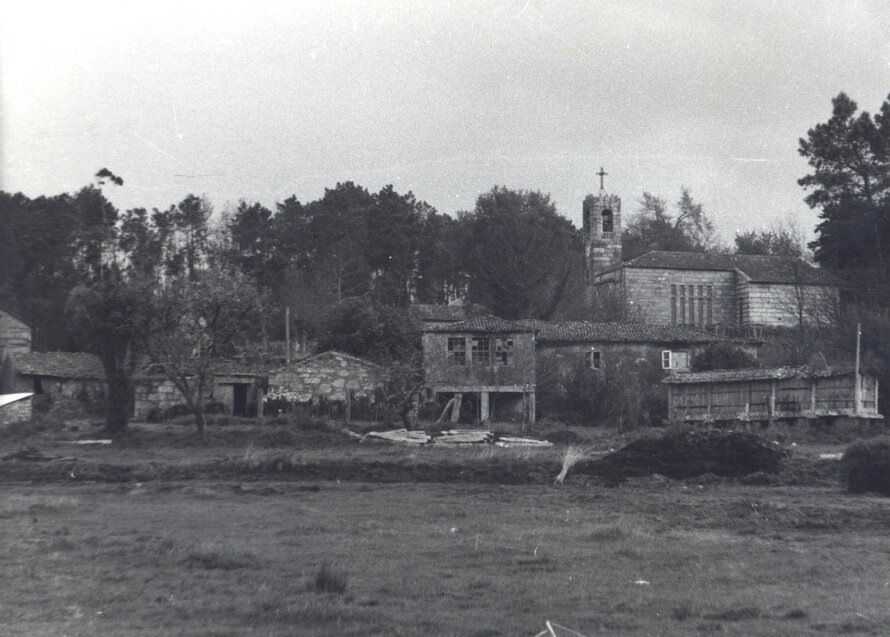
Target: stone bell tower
x,y
602,234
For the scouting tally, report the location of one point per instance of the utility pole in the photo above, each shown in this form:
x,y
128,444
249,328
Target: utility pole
x,y
287,332
857,393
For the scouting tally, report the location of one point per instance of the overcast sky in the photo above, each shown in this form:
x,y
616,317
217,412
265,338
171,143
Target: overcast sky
x,y
260,101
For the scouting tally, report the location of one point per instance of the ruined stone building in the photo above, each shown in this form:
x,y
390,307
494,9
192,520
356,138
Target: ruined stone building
x,y
699,289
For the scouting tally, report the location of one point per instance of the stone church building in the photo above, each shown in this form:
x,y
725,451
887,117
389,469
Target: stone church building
x,y
699,289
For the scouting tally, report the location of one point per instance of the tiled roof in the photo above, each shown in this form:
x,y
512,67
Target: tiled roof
x,y
624,332
443,313
482,324
309,360
759,268
59,365
740,375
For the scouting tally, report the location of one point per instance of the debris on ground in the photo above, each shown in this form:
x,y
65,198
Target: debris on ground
x,y
687,454
401,435
32,454
511,441
452,437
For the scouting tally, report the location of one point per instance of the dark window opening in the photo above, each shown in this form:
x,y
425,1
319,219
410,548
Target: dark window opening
x,y
593,359
503,352
608,223
457,350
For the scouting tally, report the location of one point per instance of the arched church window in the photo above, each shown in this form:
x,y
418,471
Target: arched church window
x,y
608,225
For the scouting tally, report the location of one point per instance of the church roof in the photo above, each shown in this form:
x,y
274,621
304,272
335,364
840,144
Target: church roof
x,y
619,332
483,324
758,268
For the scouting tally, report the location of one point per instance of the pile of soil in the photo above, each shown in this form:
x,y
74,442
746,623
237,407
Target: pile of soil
x,y
687,454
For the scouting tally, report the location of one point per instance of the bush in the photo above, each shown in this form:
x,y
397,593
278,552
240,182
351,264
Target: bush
x,y
215,407
330,580
866,466
176,411
722,356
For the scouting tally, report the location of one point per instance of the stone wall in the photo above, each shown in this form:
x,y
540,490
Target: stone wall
x,y
154,393
15,335
649,290
328,376
442,372
19,411
777,304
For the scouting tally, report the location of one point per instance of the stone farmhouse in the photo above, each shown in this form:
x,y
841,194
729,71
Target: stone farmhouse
x,y
700,289
486,364
492,366
567,344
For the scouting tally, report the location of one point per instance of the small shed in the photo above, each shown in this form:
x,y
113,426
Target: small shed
x,y
329,377
782,393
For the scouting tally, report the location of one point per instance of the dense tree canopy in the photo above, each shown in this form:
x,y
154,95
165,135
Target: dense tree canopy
x,y
850,185
654,228
518,253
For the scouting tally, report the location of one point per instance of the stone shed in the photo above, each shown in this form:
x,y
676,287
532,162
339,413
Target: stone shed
x,y
327,377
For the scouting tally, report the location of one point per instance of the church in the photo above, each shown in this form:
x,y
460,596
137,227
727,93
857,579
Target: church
x,y
696,288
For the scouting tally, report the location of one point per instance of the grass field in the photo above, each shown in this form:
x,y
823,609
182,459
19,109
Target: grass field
x,y
267,556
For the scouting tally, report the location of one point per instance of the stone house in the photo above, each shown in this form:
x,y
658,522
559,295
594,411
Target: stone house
x,y
486,361
700,289
238,386
328,378
566,344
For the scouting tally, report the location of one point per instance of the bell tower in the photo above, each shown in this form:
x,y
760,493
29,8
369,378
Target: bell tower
x,y
602,233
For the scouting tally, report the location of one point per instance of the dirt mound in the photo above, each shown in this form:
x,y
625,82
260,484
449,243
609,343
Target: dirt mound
x,y
687,454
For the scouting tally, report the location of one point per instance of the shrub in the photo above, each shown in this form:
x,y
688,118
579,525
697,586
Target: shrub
x,y
154,415
176,411
722,356
215,407
330,580
866,466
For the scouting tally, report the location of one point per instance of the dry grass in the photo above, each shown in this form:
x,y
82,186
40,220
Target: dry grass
x,y
352,559
572,455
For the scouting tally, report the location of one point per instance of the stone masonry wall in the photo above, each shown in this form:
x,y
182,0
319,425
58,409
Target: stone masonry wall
x,y
649,289
15,336
777,304
18,411
328,377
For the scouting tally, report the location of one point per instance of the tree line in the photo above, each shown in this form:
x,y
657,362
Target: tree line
x,y
72,262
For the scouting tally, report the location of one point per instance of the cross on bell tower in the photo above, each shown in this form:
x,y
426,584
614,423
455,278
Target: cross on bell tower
x,y
601,213
602,173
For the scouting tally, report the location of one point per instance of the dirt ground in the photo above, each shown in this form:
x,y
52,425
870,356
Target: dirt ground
x,y
162,549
